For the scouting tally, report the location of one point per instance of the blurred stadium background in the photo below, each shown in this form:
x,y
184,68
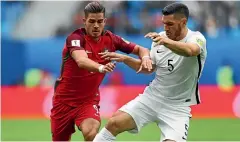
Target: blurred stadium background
x,y
32,37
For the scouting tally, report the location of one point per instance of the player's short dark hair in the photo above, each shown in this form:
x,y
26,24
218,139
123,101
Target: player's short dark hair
x,y
176,8
94,7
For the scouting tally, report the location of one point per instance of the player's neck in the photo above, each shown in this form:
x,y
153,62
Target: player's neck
x,y
183,34
96,38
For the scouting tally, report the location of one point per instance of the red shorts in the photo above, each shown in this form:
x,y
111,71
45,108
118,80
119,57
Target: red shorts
x,y
63,118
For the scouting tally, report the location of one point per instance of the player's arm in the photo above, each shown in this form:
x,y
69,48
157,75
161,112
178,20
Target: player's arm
x,y
192,47
140,51
75,46
136,65
128,47
129,61
181,48
82,60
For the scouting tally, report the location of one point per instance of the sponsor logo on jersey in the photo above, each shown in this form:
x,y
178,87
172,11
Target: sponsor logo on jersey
x,y
159,51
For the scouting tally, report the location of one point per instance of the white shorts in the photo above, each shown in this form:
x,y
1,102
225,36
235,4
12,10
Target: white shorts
x,y
172,120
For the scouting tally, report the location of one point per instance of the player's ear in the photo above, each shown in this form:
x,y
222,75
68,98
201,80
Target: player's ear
x,y
184,21
84,21
105,20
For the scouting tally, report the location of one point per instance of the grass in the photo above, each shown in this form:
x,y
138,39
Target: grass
x,y
200,130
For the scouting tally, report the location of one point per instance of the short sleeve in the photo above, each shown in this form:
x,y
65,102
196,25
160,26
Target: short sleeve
x,y
199,40
75,42
123,45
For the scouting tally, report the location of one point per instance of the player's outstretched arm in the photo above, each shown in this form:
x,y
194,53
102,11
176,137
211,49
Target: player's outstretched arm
x,y
82,60
181,48
137,65
144,55
133,63
128,47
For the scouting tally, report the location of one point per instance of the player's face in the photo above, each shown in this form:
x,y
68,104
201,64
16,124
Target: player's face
x,y
173,26
94,24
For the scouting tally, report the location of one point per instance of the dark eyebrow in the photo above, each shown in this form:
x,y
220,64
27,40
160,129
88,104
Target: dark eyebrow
x,y
96,19
168,22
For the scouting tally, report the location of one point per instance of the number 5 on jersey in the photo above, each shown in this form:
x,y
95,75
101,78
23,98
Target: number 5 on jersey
x,y
171,67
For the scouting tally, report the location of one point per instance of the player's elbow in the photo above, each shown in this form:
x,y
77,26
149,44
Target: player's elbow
x,y
192,51
188,53
195,51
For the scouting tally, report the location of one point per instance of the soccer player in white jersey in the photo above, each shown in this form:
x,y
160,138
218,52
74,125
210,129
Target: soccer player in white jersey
x,y
178,55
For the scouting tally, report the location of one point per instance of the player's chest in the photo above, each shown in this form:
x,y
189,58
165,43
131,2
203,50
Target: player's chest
x,y
93,48
166,60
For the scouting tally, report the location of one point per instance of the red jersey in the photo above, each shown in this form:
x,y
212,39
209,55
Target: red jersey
x,y
77,85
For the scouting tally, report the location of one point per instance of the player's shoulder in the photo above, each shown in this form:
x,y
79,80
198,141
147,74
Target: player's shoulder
x,y
197,34
107,32
78,33
110,34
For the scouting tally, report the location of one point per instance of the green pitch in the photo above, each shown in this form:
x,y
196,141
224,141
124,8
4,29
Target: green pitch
x,y
200,130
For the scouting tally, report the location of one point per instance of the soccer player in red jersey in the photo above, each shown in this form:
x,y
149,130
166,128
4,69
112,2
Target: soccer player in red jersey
x,y
76,97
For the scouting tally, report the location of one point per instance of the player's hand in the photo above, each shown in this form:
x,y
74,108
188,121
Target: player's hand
x,y
109,67
112,56
151,35
159,40
146,64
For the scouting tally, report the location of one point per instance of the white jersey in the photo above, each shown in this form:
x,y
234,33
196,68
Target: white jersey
x,y
176,79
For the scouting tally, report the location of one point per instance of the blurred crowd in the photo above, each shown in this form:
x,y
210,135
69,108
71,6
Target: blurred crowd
x,y
213,18
36,31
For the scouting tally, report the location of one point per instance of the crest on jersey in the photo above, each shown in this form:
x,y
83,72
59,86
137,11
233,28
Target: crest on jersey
x,y
75,43
199,41
125,41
